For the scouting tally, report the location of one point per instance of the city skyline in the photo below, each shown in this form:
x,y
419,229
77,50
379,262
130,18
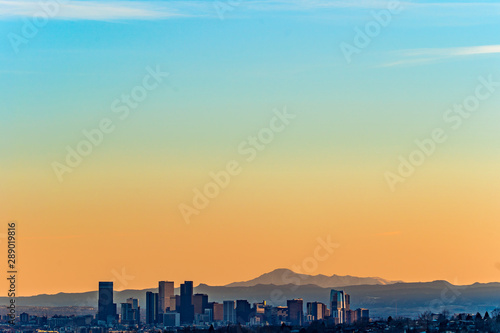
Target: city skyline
x,y
196,309
214,141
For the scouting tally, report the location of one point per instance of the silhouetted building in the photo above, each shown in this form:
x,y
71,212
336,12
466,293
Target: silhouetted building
x,y
362,315
229,312
130,311
187,308
243,310
295,311
106,309
165,292
151,308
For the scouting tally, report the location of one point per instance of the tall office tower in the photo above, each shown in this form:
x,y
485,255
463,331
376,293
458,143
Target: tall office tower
x,y
316,310
337,305
165,291
243,311
151,308
106,310
126,317
229,312
187,308
200,303
295,311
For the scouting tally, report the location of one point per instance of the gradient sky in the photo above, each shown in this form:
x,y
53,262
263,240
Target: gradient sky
x,y
322,176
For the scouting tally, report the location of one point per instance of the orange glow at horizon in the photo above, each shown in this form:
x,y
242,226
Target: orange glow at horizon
x,y
72,239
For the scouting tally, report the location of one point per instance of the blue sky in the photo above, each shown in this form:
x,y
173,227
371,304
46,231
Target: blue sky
x,y
261,54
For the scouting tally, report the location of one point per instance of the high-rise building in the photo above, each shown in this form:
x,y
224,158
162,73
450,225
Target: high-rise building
x,y
165,291
106,309
187,308
316,310
229,312
363,315
151,308
136,310
126,310
200,303
131,314
243,310
295,311
350,316
337,306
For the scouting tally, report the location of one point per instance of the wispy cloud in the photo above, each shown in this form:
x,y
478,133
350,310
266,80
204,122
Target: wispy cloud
x,y
147,10
431,55
88,10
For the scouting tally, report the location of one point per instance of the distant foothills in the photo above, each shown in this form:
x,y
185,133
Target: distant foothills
x,y
383,297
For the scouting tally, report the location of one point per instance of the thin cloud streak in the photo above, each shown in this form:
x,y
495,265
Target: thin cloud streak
x,y
429,55
90,10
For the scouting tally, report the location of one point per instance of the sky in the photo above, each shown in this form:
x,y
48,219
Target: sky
x,y
371,125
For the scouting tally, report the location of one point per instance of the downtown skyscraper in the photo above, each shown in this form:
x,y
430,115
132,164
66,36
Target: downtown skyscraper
x,y
165,292
151,308
339,304
187,307
106,309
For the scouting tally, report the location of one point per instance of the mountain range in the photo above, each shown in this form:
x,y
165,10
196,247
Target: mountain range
x,y
283,276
